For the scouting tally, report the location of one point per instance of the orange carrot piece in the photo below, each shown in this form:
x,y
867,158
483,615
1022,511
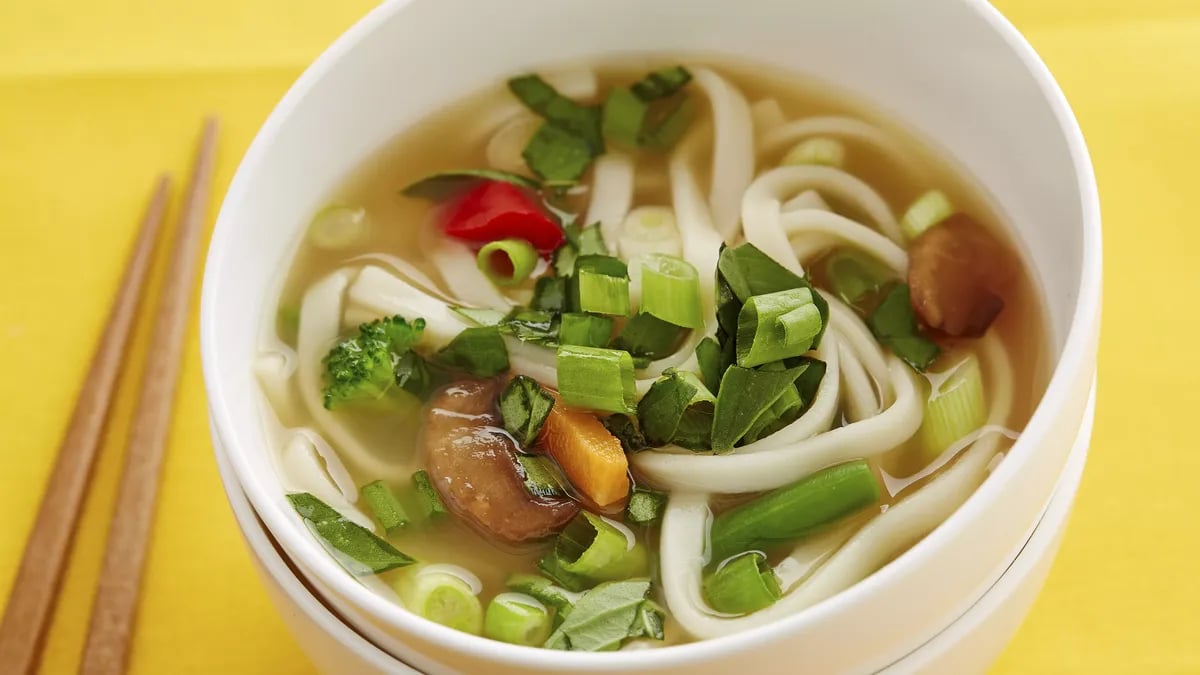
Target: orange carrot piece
x,y
590,456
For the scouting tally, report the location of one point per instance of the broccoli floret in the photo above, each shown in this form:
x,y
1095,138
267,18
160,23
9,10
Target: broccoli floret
x,y
363,368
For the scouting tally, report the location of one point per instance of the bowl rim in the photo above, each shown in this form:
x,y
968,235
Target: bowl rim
x,y
1075,361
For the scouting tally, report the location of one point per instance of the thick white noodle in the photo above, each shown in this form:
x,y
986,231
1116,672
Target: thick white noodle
x,y
733,150
809,199
767,115
742,471
612,194
803,224
505,147
812,552
847,128
304,469
686,520
859,399
456,264
857,336
320,324
406,270
762,206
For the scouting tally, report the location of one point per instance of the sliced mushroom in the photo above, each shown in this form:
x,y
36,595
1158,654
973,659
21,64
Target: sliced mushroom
x,y
958,274
473,465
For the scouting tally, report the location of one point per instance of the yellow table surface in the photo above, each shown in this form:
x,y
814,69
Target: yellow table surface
x,y
96,97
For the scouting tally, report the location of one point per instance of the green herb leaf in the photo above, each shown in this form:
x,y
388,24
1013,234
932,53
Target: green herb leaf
x,y
677,409
623,115
543,590
855,277
541,478
531,325
564,259
746,394
666,123
358,549
626,430
479,351
895,325
645,507
552,566
413,376
550,295
709,356
446,184
579,120
603,617
432,507
591,241
810,378
383,503
524,406
557,155
648,336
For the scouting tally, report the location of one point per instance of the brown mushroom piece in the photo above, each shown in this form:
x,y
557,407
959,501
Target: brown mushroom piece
x,y
473,465
958,274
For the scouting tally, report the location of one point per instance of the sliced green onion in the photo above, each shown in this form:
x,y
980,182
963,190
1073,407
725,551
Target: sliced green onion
x,y
481,317
524,406
552,567
541,477
926,211
587,330
623,115
358,549
601,293
776,326
544,591
648,336
447,184
336,228
479,351
745,394
564,260
517,619
955,408
649,229
677,409
819,150
507,262
597,379
549,295
742,585
627,432
671,290
793,511
383,503
662,83
855,277
645,507
894,324
593,547
666,123
442,596
428,499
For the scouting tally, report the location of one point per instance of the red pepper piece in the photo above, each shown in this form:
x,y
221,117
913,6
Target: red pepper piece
x,y
497,210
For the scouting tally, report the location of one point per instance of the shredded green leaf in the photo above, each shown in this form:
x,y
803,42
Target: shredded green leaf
x,y
557,155
625,428
712,363
549,295
648,336
531,325
894,324
524,406
678,409
603,618
480,317
745,394
479,351
582,121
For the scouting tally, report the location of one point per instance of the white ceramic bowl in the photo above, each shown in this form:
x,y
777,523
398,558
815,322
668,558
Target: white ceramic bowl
x,y
953,70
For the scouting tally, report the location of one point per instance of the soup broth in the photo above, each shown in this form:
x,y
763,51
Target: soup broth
x,y
405,237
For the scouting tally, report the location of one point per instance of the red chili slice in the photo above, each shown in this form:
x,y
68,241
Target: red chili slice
x,y
497,210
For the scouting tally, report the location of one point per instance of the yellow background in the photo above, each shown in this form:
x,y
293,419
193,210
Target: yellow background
x,y
97,96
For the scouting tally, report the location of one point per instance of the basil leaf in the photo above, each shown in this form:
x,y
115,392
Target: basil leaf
x,y
549,295
582,121
446,184
479,351
895,325
666,123
413,376
662,83
531,325
749,272
541,478
524,406
712,363
627,432
557,155
677,409
603,618
358,549
648,336
745,395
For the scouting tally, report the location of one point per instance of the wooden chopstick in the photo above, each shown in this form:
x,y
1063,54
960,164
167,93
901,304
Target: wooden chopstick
x,y
27,614
107,647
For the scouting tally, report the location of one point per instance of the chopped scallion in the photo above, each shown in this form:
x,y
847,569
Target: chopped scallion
x,y
430,502
442,597
776,326
586,330
592,547
507,262
541,477
549,295
855,277
623,115
955,408
625,428
338,227
926,211
383,503
517,619
671,290
531,325
594,378
601,293
742,585
544,591
481,317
